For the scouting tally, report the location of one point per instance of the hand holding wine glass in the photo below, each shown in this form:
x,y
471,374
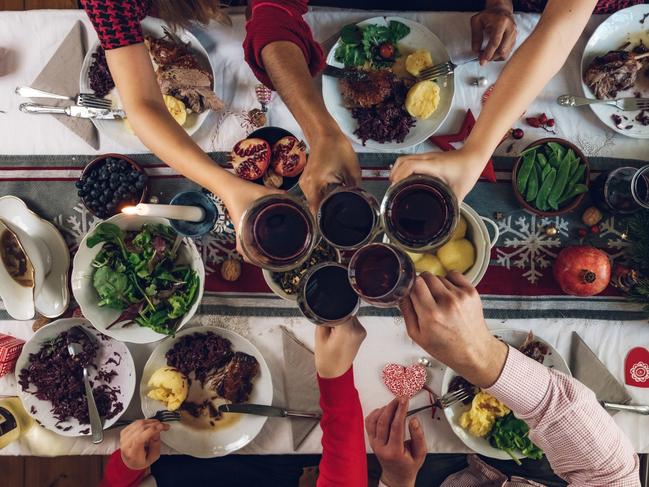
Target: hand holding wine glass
x,y
444,316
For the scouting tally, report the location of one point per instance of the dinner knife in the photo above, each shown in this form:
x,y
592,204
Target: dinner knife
x,y
270,411
342,73
74,111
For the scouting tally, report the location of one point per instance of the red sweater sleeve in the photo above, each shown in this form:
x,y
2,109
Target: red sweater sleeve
x,y
279,20
344,462
119,475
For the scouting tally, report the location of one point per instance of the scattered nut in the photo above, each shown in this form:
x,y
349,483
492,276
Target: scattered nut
x,y
231,269
272,179
257,117
592,216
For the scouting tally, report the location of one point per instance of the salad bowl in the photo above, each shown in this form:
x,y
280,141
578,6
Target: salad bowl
x,y
108,320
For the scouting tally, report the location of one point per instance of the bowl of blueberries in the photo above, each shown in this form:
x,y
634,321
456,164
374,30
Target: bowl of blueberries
x,y
109,183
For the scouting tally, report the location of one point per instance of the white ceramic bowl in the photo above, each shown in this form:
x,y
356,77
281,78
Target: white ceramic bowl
x,y
477,233
116,130
481,445
225,440
420,37
102,317
124,380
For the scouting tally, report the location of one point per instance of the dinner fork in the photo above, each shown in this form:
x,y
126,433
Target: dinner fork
x,y
441,70
84,99
447,400
625,104
163,416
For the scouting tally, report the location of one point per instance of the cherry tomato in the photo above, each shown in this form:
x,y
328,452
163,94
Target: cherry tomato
x,y
386,50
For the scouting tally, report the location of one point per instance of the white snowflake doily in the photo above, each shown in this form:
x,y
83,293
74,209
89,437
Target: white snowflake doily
x,y
531,248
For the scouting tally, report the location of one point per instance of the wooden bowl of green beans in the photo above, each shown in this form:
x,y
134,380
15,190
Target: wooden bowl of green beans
x,y
550,177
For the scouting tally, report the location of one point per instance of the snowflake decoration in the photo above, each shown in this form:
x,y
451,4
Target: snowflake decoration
x,y
613,236
532,248
215,248
74,227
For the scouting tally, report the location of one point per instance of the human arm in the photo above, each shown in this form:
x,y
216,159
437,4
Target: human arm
x,y
400,459
530,68
581,441
140,94
139,449
281,51
344,462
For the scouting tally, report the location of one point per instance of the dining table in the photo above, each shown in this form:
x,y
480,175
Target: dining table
x,y
40,160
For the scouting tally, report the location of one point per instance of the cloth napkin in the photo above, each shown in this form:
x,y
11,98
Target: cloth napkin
x,y
300,384
61,76
587,368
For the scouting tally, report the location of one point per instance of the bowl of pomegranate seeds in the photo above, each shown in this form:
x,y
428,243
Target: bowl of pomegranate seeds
x,y
270,156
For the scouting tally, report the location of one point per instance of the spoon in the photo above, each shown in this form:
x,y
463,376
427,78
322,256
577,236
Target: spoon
x,y
96,428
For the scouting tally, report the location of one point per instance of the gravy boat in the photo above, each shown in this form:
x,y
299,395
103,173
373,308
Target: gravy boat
x,y
25,261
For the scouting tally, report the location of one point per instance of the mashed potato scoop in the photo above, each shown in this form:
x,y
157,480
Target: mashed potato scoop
x,y
169,386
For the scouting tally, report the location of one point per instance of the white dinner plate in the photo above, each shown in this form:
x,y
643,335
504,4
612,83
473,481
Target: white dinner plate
x,y
420,37
621,27
102,317
54,297
224,440
481,446
123,382
116,130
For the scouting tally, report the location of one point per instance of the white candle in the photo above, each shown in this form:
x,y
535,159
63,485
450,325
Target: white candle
x,y
172,212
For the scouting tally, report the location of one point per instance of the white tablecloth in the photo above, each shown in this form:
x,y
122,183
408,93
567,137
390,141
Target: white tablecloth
x,y
28,39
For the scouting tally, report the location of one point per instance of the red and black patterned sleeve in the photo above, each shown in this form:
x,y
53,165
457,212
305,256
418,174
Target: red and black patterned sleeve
x,y
117,22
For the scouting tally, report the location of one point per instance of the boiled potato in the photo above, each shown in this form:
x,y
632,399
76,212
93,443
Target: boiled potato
x,y
457,255
417,61
176,109
460,230
422,99
415,257
430,263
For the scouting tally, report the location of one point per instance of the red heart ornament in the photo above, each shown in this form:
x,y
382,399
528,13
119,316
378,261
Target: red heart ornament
x,y
636,367
404,381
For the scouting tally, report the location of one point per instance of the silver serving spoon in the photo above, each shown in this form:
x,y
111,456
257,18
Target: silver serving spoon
x,y
96,427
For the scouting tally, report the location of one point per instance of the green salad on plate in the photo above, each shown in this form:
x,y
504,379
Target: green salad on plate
x,y
138,274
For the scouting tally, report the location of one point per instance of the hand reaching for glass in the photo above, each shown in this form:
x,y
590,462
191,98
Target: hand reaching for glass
x,y
444,316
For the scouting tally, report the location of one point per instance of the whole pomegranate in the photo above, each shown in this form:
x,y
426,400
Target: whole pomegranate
x,y
250,158
289,156
582,270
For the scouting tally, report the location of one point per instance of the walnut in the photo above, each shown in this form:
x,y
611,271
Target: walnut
x,y
592,216
40,322
257,117
272,179
231,269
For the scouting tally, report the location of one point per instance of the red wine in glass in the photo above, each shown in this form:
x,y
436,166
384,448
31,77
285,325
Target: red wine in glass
x,y
381,274
325,295
420,213
277,232
281,231
348,218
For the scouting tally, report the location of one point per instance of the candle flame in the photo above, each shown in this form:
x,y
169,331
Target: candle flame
x,y
129,210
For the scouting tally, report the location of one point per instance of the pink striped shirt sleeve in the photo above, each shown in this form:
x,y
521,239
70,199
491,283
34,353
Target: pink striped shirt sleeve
x,y
580,439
